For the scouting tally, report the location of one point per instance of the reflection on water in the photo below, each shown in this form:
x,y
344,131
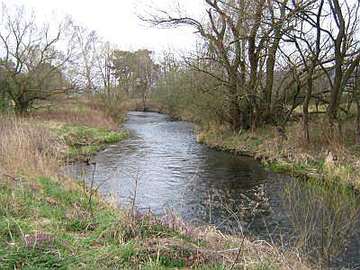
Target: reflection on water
x,y
202,185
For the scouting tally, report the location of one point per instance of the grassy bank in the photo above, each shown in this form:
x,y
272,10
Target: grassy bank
x,y
325,158
83,141
48,221
82,124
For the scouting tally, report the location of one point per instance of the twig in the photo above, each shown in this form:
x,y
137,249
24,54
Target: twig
x,y
10,176
238,254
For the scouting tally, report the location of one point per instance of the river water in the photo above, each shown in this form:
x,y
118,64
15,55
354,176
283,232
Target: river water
x,y
162,167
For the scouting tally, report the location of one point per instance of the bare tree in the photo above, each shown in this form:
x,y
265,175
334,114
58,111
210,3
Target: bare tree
x,y
356,98
308,42
319,49
88,45
243,38
32,64
345,48
105,68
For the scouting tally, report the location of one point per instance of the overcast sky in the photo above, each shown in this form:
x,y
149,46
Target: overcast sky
x,y
117,20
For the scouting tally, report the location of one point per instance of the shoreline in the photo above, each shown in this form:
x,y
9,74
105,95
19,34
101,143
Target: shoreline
x,y
317,169
307,167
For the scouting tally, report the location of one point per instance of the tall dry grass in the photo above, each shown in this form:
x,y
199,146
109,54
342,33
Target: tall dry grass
x,y
324,218
90,118
87,111
27,148
295,148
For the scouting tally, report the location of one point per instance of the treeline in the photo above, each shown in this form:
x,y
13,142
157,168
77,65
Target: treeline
x,y
257,63
41,61
266,62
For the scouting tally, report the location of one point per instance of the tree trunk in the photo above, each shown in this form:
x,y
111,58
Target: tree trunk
x,y
334,98
308,94
235,115
306,123
358,121
270,65
144,102
336,90
21,106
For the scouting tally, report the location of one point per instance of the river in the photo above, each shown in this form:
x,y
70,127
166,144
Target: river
x,y
163,165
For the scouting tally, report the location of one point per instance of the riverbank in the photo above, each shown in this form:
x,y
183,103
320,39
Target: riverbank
x,y
50,221
82,141
82,126
323,159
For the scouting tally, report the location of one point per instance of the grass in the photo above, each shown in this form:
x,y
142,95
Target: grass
x,y
78,111
97,111
46,223
338,207
83,141
28,148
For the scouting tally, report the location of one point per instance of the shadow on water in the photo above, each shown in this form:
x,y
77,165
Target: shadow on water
x,y
235,193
